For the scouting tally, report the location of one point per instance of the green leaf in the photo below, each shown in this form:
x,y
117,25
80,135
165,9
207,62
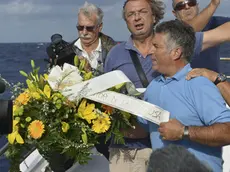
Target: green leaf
x,y
28,119
84,136
32,64
76,61
23,73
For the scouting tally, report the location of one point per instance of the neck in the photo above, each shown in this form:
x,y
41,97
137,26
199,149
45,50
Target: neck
x,y
143,44
90,47
176,67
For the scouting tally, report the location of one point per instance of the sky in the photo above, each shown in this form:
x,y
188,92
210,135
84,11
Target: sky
x,y
37,20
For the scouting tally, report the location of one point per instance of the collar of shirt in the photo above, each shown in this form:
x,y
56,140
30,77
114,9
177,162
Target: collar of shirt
x,y
179,75
78,45
129,45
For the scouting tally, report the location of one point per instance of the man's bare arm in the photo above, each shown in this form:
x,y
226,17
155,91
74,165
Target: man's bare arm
x,y
201,20
214,135
216,36
224,87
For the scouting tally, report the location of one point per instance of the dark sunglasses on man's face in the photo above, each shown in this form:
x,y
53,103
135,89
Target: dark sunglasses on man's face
x,y
182,5
88,28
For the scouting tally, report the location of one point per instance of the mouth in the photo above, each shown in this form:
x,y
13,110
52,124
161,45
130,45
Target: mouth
x,y
154,61
139,26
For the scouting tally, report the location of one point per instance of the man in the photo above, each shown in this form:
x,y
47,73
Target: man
x,y
199,119
187,11
140,16
174,158
93,46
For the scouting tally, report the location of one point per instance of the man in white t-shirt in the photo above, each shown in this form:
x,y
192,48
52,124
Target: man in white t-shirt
x,y
92,44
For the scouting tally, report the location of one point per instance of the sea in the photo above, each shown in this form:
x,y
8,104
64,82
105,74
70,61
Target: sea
x,y
17,56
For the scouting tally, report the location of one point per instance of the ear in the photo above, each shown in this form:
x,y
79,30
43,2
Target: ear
x,y
177,53
100,27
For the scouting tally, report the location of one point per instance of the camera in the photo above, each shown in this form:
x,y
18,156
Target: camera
x,y
60,51
6,113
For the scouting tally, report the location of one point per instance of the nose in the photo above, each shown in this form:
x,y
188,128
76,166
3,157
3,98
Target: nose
x,y
187,6
84,31
137,16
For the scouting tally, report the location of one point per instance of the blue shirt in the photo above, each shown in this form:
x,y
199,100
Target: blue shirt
x,y
119,59
210,58
196,102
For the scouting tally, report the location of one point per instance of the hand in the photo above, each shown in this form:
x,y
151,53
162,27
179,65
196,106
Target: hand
x,y
172,130
211,75
215,2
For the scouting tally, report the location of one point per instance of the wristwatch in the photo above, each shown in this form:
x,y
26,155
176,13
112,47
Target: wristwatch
x,y
220,78
186,132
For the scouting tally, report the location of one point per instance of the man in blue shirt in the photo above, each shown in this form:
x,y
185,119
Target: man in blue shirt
x,y
140,17
199,119
187,10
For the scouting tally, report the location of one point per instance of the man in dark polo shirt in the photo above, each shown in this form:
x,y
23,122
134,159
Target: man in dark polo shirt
x,y
187,10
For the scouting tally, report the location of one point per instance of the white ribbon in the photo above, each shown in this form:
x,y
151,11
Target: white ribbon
x,y
69,82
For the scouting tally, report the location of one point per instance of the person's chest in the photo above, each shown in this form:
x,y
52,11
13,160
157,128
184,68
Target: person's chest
x,y
175,98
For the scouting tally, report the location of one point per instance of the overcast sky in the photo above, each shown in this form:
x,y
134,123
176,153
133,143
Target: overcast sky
x,y
37,20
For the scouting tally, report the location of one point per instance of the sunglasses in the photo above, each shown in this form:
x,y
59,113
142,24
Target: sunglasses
x,y
88,28
182,5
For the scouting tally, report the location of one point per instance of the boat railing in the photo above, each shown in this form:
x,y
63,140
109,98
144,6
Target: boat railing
x,y
226,59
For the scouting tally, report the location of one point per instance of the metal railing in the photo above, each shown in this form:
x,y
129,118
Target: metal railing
x,y
225,59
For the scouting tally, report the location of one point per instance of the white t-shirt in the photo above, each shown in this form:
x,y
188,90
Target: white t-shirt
x,y
93,57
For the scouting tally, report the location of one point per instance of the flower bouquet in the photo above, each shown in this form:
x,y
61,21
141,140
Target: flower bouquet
x,y
46,119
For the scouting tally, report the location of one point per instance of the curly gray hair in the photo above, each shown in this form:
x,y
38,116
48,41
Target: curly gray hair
x,y
88,9
157,7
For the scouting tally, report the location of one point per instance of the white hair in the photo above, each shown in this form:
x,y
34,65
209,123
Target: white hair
x,y
89,9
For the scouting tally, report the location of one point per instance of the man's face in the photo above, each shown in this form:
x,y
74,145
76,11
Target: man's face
x,y
185,9
161,56
139,18
88,28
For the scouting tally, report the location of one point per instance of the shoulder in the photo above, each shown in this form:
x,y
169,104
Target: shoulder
x,y
201,84
118,49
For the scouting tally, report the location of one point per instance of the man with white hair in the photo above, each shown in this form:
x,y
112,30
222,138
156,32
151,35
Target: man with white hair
x,y
93,46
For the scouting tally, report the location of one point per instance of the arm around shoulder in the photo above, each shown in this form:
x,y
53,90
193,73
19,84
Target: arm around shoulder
x,y
212,110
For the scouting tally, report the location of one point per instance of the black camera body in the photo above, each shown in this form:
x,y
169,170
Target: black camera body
x,y
6,116
6,112
60,51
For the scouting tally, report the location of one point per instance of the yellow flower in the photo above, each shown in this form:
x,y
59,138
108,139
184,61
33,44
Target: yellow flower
x,y
101,124
47,91
65,127
23,98
45,76
35,95
87,111
15,135
36,129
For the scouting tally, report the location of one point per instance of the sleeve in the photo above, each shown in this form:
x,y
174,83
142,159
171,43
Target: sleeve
x,y
219,20
198,44
109,61
209,103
